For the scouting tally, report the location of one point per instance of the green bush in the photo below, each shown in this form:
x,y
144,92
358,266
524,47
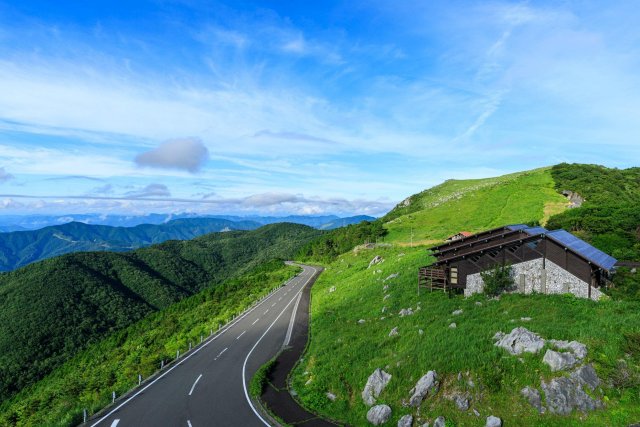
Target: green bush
x,y
497,279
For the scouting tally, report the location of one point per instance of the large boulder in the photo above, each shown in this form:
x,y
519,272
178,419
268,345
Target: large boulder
x,y
577,348
428,383
375,384
586,375
379,414
521,340
405,421
563,395
559,361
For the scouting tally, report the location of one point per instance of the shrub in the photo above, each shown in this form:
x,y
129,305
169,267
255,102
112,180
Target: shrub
x,y
497,279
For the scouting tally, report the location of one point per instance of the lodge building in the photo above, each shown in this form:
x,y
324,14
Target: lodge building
x,y
542,261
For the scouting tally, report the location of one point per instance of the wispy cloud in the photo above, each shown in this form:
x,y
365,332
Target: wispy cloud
x,y
149,191
5,176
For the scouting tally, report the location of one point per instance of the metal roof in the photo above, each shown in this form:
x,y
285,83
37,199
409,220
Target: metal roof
x,y
516,227
582,248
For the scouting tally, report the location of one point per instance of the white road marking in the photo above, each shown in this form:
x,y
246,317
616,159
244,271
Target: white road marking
x,y
220,333
189,423
273,305
287,337
280,299
255,321
115,423
240,335
225,349
266,311
194,384
244,365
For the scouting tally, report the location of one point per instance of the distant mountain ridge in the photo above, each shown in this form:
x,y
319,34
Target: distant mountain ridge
x,y
19,248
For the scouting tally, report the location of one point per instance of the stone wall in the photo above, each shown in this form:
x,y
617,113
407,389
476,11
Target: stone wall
x,y
530,277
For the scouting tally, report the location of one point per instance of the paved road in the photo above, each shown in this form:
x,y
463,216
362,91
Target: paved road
x,y
209,386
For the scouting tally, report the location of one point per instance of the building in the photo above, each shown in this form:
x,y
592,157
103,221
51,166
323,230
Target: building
x,y
542,261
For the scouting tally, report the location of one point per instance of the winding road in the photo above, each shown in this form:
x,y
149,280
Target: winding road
x,y
209,386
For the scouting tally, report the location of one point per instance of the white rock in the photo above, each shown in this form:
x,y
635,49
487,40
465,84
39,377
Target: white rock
x,y
406,312
420,331
525,319
521,340
384,309
440,422
428,383
394,332
331,396
376,260
376,382
405,421
453,325
308,381
478,303
586,375
391,276
361,321
559,361
379,414
386,297
332,289
578,349
457,312
493,421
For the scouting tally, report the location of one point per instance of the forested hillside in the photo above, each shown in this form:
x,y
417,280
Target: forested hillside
x,y
52,309
23,247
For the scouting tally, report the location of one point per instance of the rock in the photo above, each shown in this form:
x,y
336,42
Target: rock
x,y
361,321
378,272
420,332
533,397
391,276
394,332
476,413
577,348
493,421
457,312
440,422
453,325
586,375
563,395
332,289
385,297
331,396
375,384
462,402
385,288
478,303
406,312
376,260
428,383
498,335
379,414
521,340
559,361
308,381
405,421
525,319
384,309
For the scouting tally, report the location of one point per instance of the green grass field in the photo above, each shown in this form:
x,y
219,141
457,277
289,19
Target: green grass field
x,y
343,353
475,205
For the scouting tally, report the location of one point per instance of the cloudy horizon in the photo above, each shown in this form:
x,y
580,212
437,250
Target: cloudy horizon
x,y
336,108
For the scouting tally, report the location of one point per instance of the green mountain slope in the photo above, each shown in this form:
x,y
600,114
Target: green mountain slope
x,y
20,248
52,309
354,308
474,205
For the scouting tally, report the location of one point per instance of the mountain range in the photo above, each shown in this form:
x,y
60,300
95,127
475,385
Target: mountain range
x,y
19,248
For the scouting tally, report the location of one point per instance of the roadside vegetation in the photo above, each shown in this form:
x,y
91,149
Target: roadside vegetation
x,y
113,364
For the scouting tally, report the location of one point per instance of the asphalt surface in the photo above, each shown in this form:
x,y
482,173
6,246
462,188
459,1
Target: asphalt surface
x,y
209,386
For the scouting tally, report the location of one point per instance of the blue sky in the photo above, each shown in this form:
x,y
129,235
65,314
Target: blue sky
x,y
303,107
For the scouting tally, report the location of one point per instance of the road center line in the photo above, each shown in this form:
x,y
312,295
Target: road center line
x,y
255,321
280,299
115,423
189,423
239,336
273,305
194,384
225,349
266,311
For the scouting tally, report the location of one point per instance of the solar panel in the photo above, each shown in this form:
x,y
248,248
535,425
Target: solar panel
x,y
583,248
534,231
516,227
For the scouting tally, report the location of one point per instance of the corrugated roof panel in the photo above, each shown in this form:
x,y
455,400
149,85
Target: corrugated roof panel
x,y
583,248
534,231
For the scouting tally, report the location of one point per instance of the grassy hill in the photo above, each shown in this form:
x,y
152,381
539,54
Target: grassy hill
x,y
474,205
20,248
52,309
344,351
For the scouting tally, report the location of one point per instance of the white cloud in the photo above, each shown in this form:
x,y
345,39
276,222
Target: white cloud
x,y
188,154
151,190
